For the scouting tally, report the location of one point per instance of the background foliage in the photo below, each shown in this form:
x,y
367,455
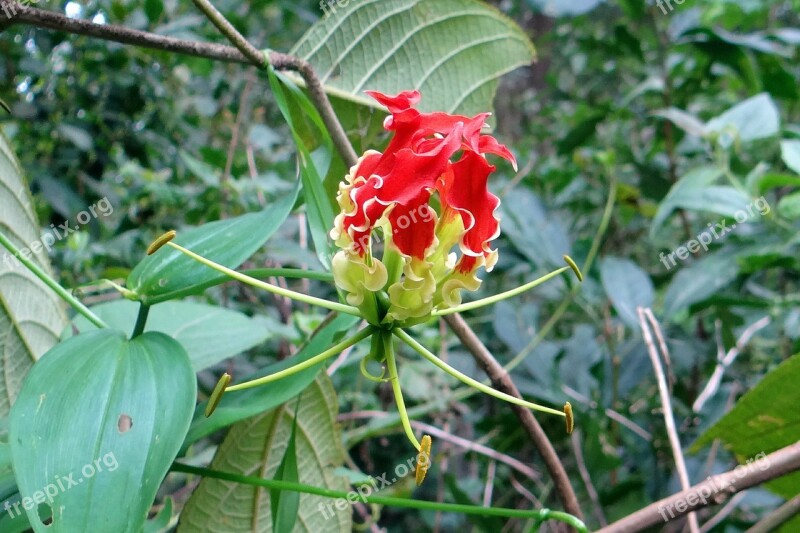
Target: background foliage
x,y
684,117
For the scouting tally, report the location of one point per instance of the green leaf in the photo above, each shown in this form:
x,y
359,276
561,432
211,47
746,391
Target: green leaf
x,y
236,406
453,51
108,414
700,280
161,522
256,447
789,206
764,420
31,315
790,152
627,286
208,333
755,118
318,207
169,274
284,505
695,192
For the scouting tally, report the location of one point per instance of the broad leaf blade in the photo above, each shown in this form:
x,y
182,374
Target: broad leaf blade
x,y
168,274
627,286
31,315
453,51
255,447
208,333
764,420
236,406
122,408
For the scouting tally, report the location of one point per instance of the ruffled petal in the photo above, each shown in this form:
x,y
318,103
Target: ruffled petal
x,y
465,190
353,275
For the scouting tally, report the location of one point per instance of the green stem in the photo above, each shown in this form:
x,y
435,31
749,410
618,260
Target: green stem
x,y
292,273
499,297
408,503
420,349
280,291
338,348
394,378
141,320
50,282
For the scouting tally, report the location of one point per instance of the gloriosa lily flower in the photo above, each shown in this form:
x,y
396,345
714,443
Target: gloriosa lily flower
x,y
395,194
427,197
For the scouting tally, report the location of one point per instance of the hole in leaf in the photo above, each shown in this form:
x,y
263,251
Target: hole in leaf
x,y
124,423
45,513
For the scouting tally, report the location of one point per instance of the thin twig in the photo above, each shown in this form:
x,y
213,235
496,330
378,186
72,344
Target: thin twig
x,y
779,516
502,382
587,478
663,345
723,513
45,19
669,419
723,363
714,490
489,485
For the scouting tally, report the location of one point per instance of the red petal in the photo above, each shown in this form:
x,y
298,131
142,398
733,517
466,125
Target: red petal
x,y
413,226
465,190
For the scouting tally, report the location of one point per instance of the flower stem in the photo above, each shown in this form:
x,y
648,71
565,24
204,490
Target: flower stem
x,y
420,349
394,378
141,320
537,515
50,282
280,291
499,297
330,352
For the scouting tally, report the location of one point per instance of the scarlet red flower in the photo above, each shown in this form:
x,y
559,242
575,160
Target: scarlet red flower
x,y
392,192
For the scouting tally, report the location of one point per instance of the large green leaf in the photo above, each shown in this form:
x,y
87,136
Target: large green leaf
x,y
695,191
236,406
208,333
627,286
453,51
700,280
256,447
763,421
169,274
96,426
31,315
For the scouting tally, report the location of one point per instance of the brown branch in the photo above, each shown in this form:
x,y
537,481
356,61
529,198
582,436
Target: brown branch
x,y
19,14
713,491
502,382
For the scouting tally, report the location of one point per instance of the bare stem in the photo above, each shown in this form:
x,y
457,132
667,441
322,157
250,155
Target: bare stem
x,y
715,490
666,405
